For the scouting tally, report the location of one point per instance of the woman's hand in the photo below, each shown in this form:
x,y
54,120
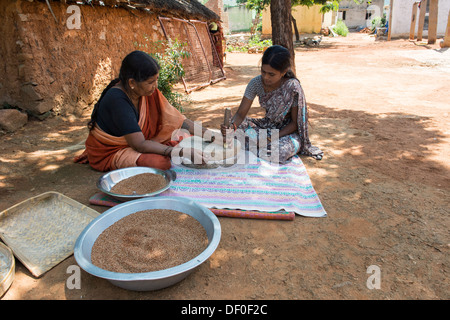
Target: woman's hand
x,y
225,130
195,155
227,135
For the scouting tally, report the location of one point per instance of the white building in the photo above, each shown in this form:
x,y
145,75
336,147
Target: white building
x,y
401,18
360,15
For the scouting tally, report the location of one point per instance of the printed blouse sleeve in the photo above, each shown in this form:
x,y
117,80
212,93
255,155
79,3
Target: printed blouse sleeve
x,y
250,91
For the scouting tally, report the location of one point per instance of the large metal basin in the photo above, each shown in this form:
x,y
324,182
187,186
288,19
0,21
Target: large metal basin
x,y
154,280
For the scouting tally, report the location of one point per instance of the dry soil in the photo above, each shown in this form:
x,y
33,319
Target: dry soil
x,y
379,110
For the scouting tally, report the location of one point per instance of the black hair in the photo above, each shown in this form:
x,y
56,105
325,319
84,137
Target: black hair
x,y
137,65
279,58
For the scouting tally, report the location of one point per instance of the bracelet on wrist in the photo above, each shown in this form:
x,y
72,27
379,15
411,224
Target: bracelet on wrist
x,y
165,150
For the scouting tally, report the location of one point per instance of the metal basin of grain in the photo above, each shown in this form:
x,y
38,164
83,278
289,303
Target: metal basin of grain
x,y
154,280
107,181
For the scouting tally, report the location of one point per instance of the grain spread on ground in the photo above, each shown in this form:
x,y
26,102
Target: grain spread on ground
x,y
140,184
149,240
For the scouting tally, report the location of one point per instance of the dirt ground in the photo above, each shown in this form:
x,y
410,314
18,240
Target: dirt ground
x,y
378,109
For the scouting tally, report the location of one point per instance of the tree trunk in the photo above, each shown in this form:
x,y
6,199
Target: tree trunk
x,y
280,12
294,24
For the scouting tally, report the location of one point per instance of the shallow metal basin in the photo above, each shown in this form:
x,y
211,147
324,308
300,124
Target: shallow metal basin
x,y
147,281
7,268
110,179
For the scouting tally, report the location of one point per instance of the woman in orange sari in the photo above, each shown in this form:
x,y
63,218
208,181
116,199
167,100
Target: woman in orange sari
x,y
133,124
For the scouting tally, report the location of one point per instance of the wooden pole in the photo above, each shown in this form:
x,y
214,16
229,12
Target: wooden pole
x,y
412,29
446,42
227,123
423,11
432,21
391,5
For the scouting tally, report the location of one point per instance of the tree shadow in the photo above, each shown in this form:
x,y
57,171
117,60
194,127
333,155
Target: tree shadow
x,y
399,145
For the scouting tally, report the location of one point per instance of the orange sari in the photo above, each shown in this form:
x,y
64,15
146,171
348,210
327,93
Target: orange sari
x,y
158,120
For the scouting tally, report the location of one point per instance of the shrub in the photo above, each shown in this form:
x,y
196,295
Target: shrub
x,y
379,22
169,55
340,28
255,43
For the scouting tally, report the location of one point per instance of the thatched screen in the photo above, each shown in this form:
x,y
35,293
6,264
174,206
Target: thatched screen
x,y
203,66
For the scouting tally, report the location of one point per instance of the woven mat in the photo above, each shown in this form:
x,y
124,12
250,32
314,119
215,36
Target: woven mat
x,y
255,190
254,186
42,231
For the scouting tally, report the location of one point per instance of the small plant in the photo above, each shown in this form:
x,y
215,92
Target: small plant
x,y
256,41
259,27
379,22
255,44
169,55
340,28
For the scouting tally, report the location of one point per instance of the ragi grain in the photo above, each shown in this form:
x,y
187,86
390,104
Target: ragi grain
x,y
140,184
149,240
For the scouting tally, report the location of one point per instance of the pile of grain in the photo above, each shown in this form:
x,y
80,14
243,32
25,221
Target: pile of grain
x,y
149,240
140,184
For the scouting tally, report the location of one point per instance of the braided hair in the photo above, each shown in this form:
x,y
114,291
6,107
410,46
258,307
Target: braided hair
x,y
137,65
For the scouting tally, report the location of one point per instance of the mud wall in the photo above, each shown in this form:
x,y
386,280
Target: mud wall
x,y
63,66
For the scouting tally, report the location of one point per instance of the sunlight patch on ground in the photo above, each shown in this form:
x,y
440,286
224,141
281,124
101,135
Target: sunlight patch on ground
x,y
322,172
220,256
8,160
50,167
22,284
2,184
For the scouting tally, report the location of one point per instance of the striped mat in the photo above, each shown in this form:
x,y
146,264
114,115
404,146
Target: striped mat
x,y
257,186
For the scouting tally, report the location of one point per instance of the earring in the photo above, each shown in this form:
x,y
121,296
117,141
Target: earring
x,y
132,88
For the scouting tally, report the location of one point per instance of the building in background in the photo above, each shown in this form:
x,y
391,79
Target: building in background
x,y
358,16
401,18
